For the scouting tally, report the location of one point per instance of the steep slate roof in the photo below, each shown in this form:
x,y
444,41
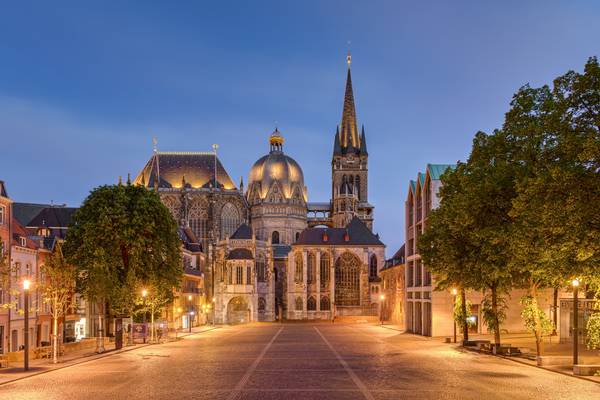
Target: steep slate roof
x,y
25,212
240,254
242,232
53,217
397,259
189,239
358,234
436,170
281,251
170,169
20,231
347,138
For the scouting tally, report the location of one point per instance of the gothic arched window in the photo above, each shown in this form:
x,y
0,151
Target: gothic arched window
x,y
262,304
373,266
275,237
299,304
347,280
261,268
311,304
299,272
357,183
310,268
324,269
325,303
230,220
197,215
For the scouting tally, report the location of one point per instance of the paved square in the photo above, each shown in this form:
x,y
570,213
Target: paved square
x,y
300,361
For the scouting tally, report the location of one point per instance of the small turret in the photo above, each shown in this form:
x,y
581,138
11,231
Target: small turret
x,y
276,141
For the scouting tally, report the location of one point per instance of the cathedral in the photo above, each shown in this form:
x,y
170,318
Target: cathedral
x,y
270,253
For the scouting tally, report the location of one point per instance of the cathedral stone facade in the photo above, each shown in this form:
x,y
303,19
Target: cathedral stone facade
x,y
271,254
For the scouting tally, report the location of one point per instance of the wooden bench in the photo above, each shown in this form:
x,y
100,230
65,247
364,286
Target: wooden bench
x,y
585,369
44,352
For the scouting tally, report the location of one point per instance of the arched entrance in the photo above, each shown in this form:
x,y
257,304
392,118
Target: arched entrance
x,y
347,280
238,311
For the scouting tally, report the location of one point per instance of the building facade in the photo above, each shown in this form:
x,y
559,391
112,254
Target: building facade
x,y
269,252
393,289
5,263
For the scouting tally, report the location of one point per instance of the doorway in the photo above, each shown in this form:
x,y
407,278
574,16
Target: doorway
x,y
14,341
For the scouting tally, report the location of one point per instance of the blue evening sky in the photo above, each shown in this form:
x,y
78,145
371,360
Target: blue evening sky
x,y
84,87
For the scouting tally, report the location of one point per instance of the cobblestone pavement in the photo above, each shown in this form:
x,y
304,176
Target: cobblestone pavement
x,y
300,361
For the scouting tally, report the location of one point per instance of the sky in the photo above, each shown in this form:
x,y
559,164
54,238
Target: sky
x,y
84,86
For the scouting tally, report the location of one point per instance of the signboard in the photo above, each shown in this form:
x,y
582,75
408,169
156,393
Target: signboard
x,y
140,331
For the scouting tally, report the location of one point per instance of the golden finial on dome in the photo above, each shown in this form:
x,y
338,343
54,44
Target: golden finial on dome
x,y
276,140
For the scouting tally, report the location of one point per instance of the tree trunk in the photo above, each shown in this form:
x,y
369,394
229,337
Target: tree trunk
x,y
555,311
55,339
539,344
495,316
463,305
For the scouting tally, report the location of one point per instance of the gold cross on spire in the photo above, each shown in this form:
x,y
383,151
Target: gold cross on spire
x,y
349,56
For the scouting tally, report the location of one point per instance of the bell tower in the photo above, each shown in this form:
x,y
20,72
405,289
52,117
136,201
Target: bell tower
x,y
349,166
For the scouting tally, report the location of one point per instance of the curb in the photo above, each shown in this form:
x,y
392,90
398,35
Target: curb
x,y
390,328
104,355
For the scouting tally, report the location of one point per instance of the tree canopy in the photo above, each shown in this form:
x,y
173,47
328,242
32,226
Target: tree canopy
x,y
523,209
121,238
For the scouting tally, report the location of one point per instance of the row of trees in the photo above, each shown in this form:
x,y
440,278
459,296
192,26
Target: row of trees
x,y
524,210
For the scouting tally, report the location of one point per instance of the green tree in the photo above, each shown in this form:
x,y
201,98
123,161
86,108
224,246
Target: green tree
x,y
6,271
57,290
444,243
467,238
487,200
121,238
555,133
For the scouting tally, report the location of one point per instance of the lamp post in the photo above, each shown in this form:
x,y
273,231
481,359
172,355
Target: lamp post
x,y
144,294
381,299
191,318
575,284
26,284
190,312
179,318
214,310
454,293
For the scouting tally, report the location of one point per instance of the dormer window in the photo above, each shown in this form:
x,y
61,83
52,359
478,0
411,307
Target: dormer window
x,y
22,241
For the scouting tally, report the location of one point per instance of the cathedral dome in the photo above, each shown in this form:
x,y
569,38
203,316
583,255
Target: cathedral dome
x,y
277,173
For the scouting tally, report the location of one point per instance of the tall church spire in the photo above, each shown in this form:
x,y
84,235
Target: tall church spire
x,y
349,139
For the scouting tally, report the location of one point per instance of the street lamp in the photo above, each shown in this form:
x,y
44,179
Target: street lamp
x,y
575,284
144,294
26,284
381,299
454,293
